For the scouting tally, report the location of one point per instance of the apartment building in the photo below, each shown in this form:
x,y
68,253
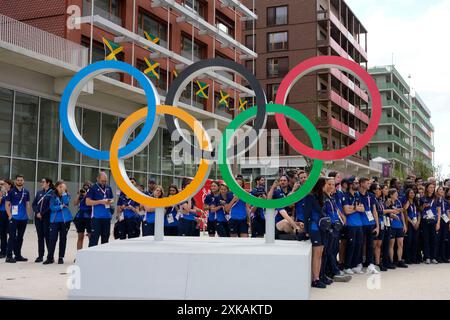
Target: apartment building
x,y
288,32
42,48
405,133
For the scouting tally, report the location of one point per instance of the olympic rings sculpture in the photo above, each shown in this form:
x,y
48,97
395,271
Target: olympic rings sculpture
x,y
150,116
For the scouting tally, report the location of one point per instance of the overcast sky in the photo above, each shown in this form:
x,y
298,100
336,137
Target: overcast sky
x,y
418,33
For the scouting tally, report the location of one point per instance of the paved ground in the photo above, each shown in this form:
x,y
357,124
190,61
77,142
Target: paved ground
x,y
36,281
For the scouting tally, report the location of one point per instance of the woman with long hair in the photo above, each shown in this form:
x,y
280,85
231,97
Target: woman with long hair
x,y
60,219
83,216
431,224
4,221
148,225
318,232
413,219
170,217
208,205
220,207
441,255
239,214
376,190
398,228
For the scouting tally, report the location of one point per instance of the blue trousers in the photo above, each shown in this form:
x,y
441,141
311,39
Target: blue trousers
x,y
16,231
43,234
58,230
148,229
368,240
353,254
101,228
186,227
332,251
4,225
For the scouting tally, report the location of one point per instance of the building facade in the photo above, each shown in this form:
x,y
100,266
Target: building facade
x,y
288,32
405,134
42,47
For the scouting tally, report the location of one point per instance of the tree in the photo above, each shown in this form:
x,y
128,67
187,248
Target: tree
x,y
422,169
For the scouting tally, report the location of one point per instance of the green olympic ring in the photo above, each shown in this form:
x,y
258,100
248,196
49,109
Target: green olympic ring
x,y
224,168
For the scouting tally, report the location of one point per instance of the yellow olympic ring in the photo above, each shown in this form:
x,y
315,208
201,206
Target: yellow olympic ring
x,y
118,169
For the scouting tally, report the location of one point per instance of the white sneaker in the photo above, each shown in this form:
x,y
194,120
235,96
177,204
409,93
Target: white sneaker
x,y
349,271
434,261
357,270
428,261
341,273
371,269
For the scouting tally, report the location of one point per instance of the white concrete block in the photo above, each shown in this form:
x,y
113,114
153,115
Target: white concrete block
x,y
195,268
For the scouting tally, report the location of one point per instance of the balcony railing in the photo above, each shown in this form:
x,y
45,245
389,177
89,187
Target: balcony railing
x,y
388,138
391,86
393,156
337,99
423,117
391,120
87,10
397,107
37,41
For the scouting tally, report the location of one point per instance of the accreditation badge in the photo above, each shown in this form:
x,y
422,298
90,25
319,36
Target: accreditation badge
x,y
170,218
445,218
369,215
430,214
15,210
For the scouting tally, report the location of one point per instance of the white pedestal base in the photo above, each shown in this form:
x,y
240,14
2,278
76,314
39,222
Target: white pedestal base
x,y
195,268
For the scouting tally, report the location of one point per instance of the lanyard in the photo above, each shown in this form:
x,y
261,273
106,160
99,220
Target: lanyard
x,y
380,204
104,192
21,198
46,194
414,208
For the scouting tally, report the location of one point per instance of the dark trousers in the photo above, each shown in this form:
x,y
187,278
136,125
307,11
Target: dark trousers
x,y
429,239
354,247
222,229
4,225
411,244
16,231
43,234
170,231
327,239
368,240
186,227
101,228
148,229
385,246
332,268
443,241
58,229
128,228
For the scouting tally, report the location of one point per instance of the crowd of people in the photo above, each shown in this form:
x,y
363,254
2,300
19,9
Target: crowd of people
x,y
355,225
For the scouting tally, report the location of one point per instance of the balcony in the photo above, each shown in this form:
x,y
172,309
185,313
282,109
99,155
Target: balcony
x,y
330,42
419,125
385,120
391,86
423,117
249,14
344,104
329,15
338,74
394,156
343,128
205,27
397,107
42,46
389,138
87,11
424,140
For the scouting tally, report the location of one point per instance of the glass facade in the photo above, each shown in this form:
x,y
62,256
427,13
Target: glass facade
x,y
32,143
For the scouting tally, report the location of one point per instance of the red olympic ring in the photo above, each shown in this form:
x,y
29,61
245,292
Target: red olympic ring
x,y
324,62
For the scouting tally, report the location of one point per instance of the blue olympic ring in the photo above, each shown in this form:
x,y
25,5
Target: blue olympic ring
x,y
73,90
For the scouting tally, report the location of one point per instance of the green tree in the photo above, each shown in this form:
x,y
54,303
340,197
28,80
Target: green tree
x,y
422,169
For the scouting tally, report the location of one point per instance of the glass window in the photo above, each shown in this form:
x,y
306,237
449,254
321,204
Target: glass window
x,y
167,145
88,173
47,170
128,161
48,131
221,108
25,126
154,156
250,41
199,6
71,176
166,182
140,160
277,67
277,16
141,179
4,168
225,24
153,26
108,9
91,132
6,111
69,153
272,91
27,169
161,83
277,41
188,48
109,127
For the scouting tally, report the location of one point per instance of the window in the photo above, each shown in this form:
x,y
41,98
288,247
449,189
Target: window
x,y
6,111
188,48
27,169
153,26
222,109
48,131
199,6
277,67
250,23
160,83
225,24
4,167
250,41
277,41
109,127
98,54
69,153
91,133
277,16
25,126
108,9
272,91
